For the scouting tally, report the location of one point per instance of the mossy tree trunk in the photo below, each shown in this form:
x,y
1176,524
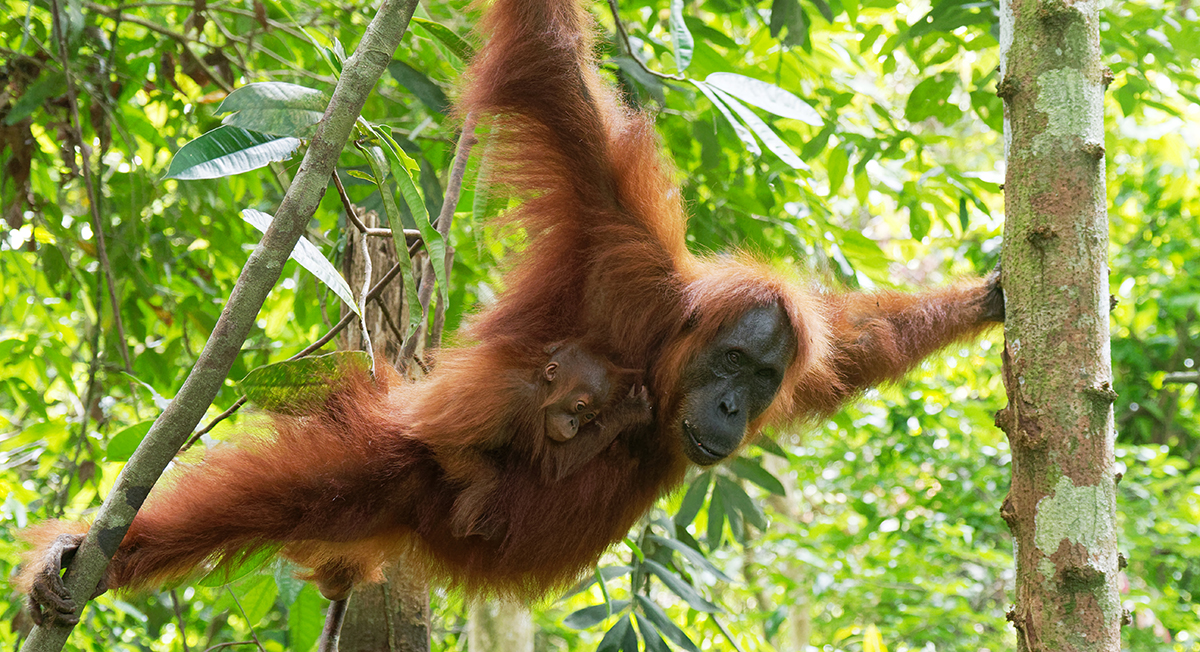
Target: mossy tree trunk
x,y
1062,504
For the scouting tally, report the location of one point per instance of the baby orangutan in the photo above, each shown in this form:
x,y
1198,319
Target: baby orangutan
x,y
570,411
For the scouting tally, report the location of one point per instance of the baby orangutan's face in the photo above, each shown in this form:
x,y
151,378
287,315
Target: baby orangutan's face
x,y
578,385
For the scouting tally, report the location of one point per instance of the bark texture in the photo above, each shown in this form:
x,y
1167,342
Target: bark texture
x,y
1062,504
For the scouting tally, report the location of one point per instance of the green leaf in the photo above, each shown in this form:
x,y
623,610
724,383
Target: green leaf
x,y
226,151
637,550
614,639
257,597
751,470
839,163
826,13
401,166
276,108
742,132
693,500
770,445
606,573
379,164
789,14
768,97
306,618
716,520
931,99
682,38
694,556
654,640
663,624
122,444
763,131
310,258
297,387
738,499
964,218
447,37
681,588
52,84
430,94
589,617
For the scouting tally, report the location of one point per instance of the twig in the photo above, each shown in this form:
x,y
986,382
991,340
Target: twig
x,y
184,41
1182,377
179,616
352,215
373,295
229,644
462,154
624,38
97,223
250,625
257,279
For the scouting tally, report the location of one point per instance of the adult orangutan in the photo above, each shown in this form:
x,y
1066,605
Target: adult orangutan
x,y
726,345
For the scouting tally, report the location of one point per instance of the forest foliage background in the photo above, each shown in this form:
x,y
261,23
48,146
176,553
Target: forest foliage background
x,y
878,529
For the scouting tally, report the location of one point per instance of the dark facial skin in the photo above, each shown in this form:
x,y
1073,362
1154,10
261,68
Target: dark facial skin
x,y
733,381
579,385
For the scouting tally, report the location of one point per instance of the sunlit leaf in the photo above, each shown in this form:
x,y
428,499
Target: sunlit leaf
x,y
742,132
310,258
763,131
226,151
299,386
276,108
448,38
768,97
682,38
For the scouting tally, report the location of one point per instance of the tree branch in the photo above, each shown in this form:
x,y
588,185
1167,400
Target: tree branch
x,y
360,74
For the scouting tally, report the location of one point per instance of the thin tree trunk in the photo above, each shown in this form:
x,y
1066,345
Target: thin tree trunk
x,y
1062,504
392,616
499,626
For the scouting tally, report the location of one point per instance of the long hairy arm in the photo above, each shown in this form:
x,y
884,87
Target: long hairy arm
x,y
876,337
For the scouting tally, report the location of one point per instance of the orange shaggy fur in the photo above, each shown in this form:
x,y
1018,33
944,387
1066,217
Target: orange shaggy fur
x,y
369,477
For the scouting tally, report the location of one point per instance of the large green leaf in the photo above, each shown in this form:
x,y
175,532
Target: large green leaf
x,y
681,588
593,615
299,386
228,150
768,97
448,38
310,258
276,108
423,88
306,618
763,131
742,132
682,38
377,159
663,624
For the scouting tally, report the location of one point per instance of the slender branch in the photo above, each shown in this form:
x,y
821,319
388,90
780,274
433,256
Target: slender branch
x,y
179,617
1182,377
624,39
243,610
352,215
373,295
218,646
462,154
258,277
97,222
184,41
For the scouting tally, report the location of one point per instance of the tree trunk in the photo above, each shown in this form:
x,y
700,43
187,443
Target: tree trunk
x,y
499,626
393,616
1062,504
